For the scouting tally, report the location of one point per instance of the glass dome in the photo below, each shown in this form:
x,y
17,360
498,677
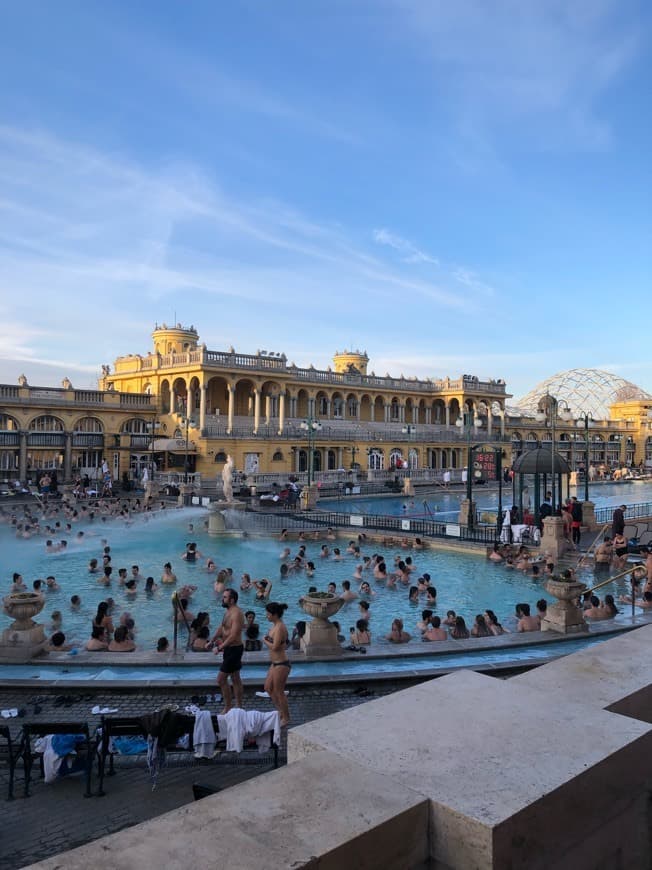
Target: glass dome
x,y
584,391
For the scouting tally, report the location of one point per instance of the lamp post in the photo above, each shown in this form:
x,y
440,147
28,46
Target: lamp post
x,y
550,408
466,419
583,420
153,427
189,422
310,426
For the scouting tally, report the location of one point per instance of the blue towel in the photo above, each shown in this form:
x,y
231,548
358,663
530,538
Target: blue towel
x,y
64,744
130,745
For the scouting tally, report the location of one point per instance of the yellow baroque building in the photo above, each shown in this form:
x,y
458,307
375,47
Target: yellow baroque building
x,y
183,407
269,415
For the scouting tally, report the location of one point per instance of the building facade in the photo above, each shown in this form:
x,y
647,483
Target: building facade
x,y
183,408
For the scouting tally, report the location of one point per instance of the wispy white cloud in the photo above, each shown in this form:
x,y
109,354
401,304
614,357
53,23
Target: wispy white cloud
x,y
90,238
409,252
545,64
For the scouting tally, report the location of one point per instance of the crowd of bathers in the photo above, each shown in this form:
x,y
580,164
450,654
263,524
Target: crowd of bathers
x,y
371,572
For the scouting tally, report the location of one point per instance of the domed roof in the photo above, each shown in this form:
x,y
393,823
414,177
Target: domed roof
x,y
584,391
539,461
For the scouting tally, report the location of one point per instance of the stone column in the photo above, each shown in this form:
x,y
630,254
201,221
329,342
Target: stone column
x,y
268,409
229,426
257,395
428,416
502,424
22,457
340,457
448,415
281,412
202,407
372,412
489,421
467,509
67,458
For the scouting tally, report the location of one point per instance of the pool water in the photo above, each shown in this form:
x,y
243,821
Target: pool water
x,y
466,583
445,505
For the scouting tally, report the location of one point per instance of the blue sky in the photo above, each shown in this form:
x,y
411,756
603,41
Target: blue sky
x,y
453,187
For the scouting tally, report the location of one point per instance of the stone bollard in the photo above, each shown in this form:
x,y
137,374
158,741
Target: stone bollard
x,y
467,509
553,540
588,516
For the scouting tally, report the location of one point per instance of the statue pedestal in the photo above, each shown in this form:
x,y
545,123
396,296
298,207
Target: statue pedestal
x,y
216,519
467,509
309,497
408,487
152,490
552,539
185,494
564,617
588,516
320,639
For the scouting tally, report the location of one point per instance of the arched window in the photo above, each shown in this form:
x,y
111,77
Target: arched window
x,y
134,426
376,460
278,456
331,460
396,459
220,456
413,458
46,423
8,424
89,424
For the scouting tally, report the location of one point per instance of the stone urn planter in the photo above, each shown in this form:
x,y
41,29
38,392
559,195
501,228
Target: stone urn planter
x,y
564,616
24,638
22,606
320,638
321,605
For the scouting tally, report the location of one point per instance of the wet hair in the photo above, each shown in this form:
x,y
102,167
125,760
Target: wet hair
x,y
75,599
361,625
97,632
162,644
203,632
542,605
525,609
413,591
37,585
121,634
431,591
346,584
609,603
130,584
300,627
149,583
102,610
233,595
250,613
276,609
436,622
595,601
426,614
58,638
363,605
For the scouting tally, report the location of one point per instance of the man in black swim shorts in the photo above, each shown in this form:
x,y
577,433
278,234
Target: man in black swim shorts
x,y
228,640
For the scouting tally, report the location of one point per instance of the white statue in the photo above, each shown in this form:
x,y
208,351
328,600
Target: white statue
x,y
227,479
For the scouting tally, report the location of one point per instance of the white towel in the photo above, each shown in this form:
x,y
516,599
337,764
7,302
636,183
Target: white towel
x,y
265,726
235,723
51,761
203,736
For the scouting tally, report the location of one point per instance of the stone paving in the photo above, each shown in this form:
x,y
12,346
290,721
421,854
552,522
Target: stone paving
x,y
57,817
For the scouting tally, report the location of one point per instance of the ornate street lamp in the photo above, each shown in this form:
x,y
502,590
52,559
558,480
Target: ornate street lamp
x,y
310,426
583,420
153,426
189,421
466,420
549,409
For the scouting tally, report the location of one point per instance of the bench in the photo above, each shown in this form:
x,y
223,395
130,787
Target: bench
x,y
113,727
10,751
47,729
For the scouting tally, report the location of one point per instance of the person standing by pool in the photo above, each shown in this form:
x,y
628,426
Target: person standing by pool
x,y
229,642
279,669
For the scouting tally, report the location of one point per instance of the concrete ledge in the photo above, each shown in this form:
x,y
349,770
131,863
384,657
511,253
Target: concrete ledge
x,y
326,812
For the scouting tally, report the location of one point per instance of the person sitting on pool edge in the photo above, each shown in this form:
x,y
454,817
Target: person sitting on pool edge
x,y
360,635
121,642
435,631
397,635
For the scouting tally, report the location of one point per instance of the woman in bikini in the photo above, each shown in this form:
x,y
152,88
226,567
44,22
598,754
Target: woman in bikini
x,y
279,669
